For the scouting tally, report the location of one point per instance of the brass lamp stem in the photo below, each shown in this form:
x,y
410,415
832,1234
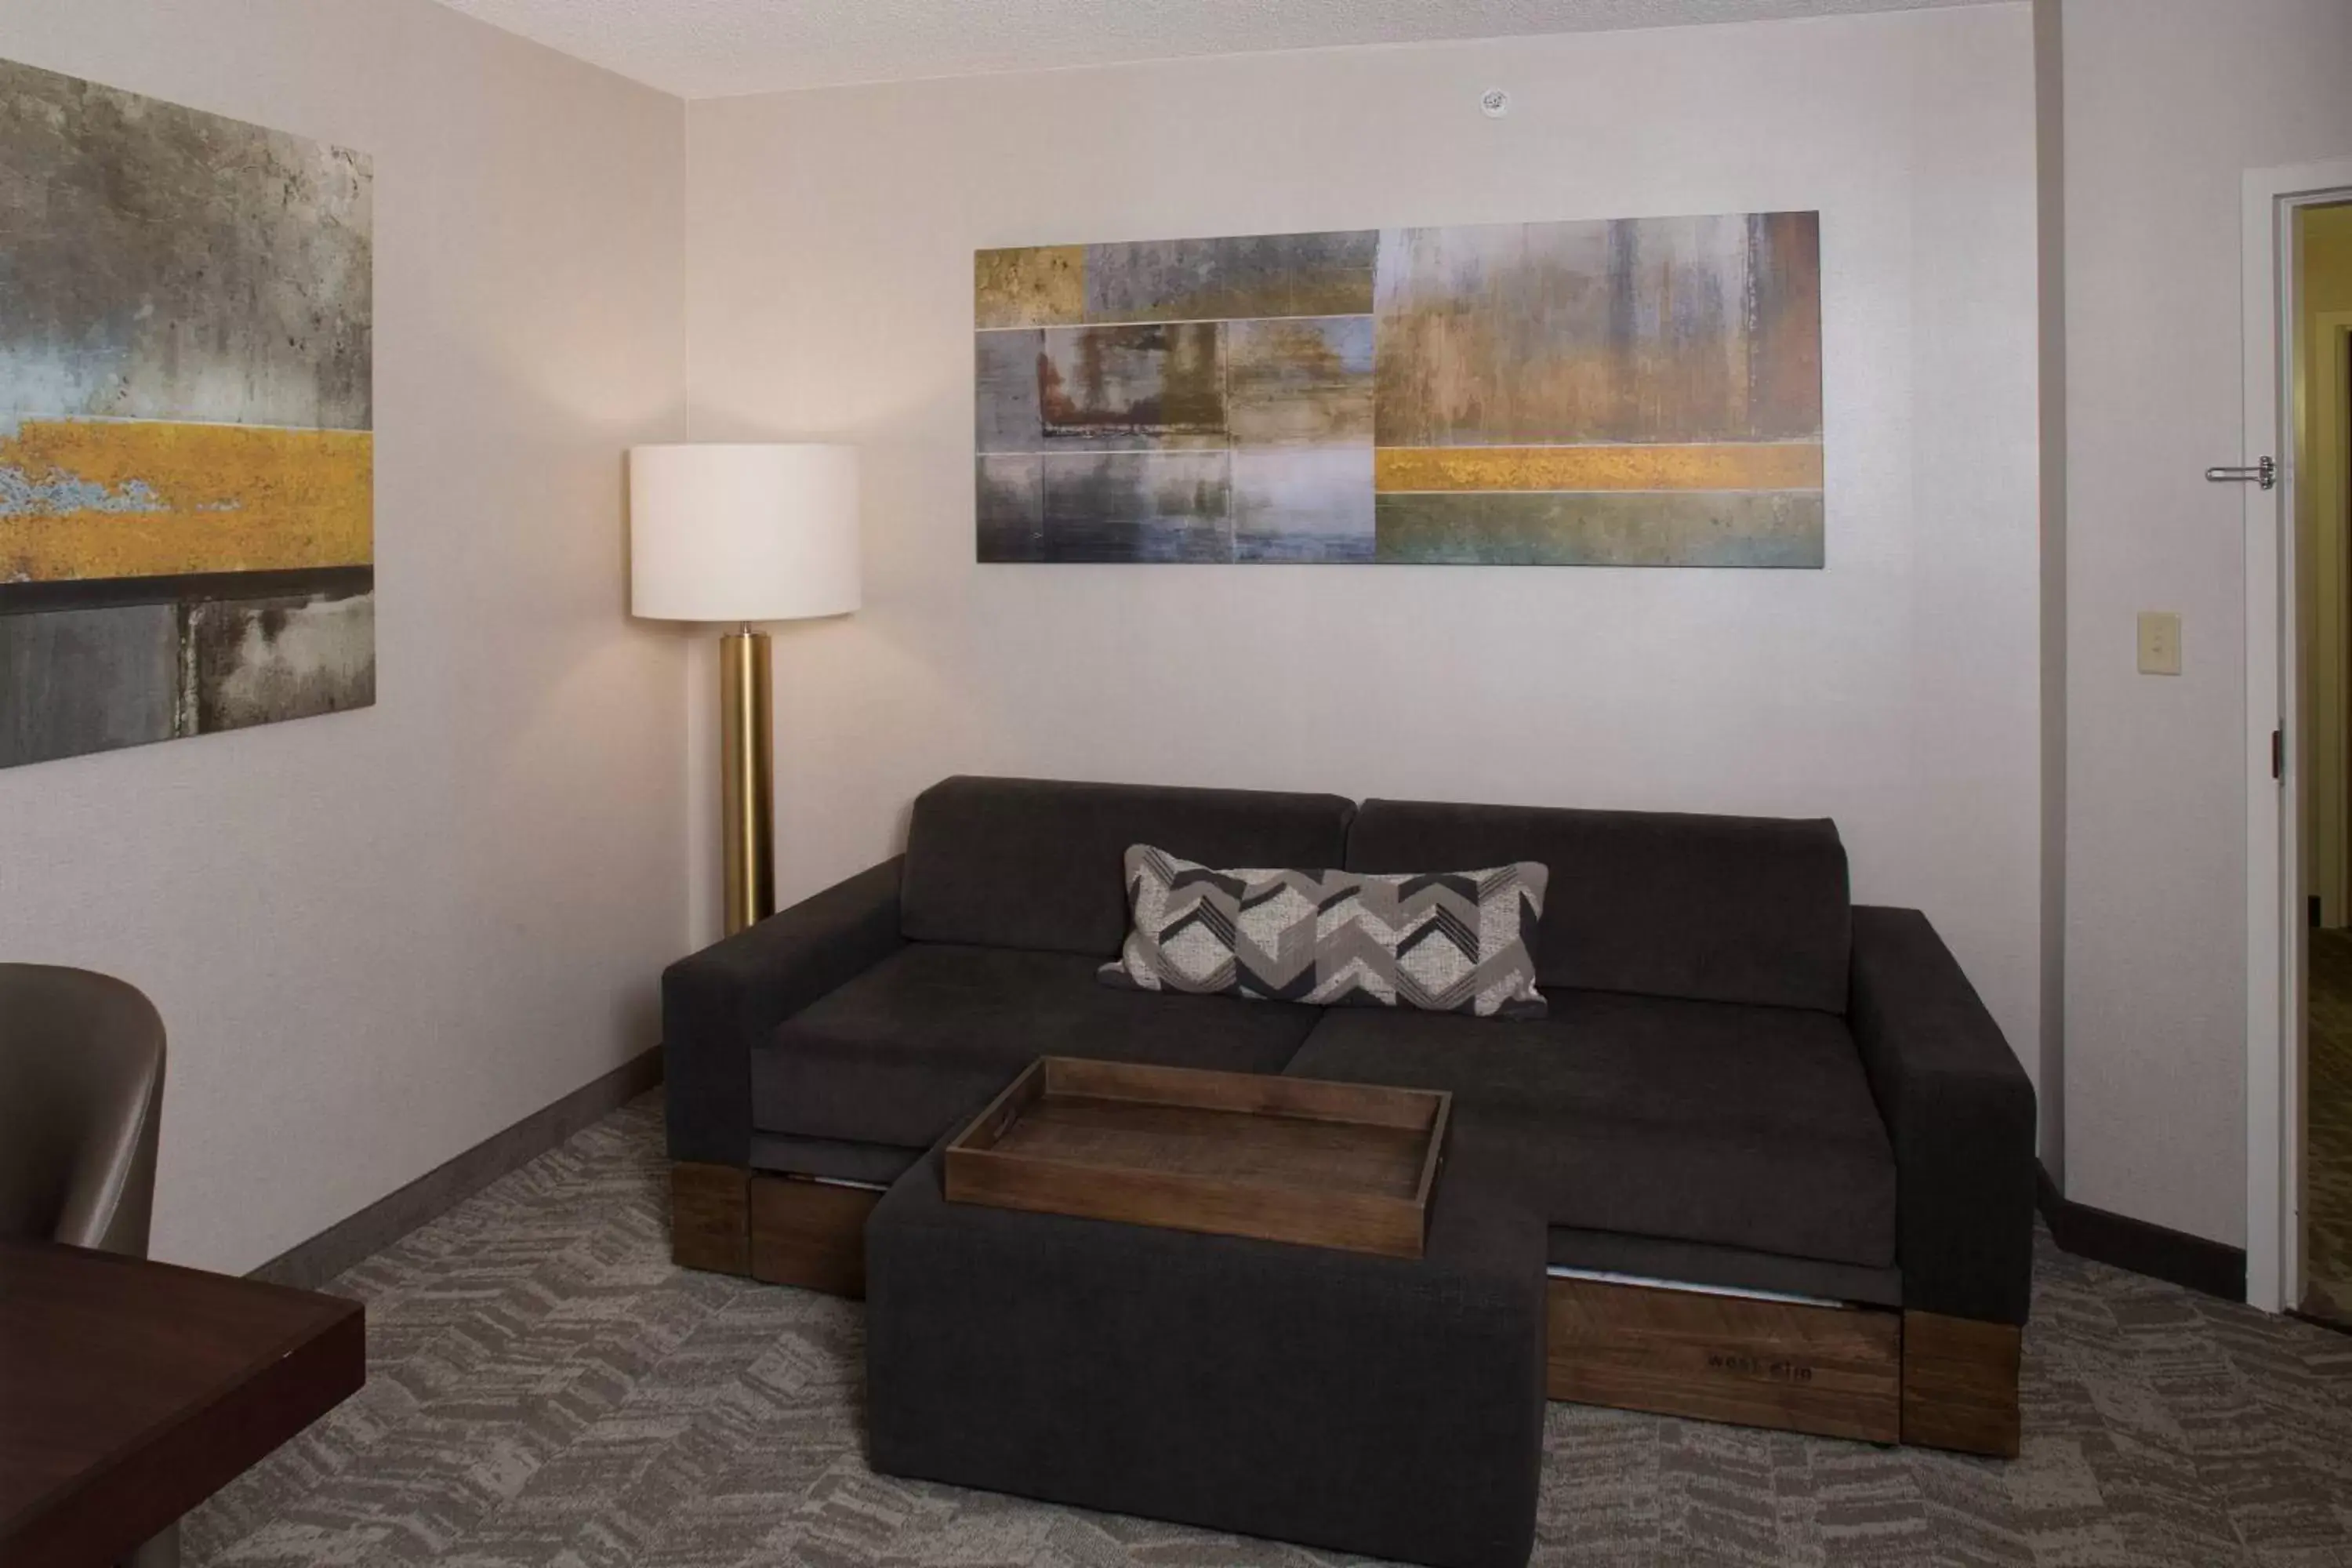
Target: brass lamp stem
x,y
747,767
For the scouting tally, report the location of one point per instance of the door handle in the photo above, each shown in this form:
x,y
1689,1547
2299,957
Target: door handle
x,y
2264,473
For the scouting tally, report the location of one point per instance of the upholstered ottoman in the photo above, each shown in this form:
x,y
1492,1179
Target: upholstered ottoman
x,y
1372,1405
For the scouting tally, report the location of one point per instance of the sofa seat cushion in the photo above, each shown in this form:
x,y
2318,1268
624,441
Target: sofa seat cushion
x,y
910,1048
1746,1127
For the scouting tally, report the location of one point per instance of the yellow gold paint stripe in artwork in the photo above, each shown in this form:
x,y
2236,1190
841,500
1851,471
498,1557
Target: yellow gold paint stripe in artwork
x,y
82,498
1038,286
1717,466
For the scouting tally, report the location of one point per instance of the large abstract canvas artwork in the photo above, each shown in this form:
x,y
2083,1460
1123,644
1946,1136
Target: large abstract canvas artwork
x,y
1642,392
187,517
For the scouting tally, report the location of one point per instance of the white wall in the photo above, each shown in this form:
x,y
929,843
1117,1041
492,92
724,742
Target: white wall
x,y
377,938
2050,237
380,937
2167,102
830,241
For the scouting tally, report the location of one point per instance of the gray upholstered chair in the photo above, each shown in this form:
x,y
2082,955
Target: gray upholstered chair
x,y
81,1092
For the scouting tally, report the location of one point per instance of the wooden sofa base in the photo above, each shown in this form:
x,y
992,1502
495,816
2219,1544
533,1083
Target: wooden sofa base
x,y
1881,1376
1831,1371
779,1230
1960,1384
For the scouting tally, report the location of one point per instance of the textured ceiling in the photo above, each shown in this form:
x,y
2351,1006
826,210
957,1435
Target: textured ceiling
x,y
713,49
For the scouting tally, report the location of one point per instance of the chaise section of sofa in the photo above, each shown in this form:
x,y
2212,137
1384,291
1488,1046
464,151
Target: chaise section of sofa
x,y
1708,1122
1695,1082
1794,1118
1745,1084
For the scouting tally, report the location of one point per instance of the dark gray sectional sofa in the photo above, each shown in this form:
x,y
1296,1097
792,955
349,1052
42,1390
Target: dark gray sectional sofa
x,y
1745,1081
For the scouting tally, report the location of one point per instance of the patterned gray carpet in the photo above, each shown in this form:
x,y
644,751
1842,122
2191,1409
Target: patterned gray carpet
x,y
545,1389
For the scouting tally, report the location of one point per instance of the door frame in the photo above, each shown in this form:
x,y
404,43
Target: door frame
x,y
2275,917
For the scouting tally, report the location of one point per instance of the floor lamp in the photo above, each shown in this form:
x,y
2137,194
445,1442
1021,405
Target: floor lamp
x,y
738,533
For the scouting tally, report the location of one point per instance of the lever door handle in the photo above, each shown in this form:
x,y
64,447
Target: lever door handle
x,y
2264,473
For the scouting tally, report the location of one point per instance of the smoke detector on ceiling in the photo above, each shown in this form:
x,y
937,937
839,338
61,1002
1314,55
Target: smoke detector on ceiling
x,y
1494,103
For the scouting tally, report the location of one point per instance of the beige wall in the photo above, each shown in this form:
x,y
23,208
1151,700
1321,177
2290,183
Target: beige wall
x,y
2167,103
379,937
830,241
2050,282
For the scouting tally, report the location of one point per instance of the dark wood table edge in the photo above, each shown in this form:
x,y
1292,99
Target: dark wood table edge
x,y
176,1463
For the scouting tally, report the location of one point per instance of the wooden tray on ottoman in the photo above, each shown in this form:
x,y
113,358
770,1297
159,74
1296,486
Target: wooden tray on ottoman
x,y
1345,1165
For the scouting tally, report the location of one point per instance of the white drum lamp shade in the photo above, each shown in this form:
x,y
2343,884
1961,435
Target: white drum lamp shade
x,y
743,532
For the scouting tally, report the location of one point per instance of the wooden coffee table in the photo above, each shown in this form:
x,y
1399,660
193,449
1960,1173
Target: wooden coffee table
x,y
1346,1165
131,1391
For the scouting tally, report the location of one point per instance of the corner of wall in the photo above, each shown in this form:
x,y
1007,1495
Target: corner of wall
x,y
2049,116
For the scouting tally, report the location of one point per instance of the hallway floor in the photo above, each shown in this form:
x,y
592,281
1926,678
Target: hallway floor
x,y
2327,1101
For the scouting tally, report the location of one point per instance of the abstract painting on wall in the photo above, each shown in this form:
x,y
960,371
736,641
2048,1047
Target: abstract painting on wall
x,y
1641,392
186,490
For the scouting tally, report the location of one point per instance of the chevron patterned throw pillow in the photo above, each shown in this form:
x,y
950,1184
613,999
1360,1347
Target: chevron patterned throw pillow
x,y
1451,941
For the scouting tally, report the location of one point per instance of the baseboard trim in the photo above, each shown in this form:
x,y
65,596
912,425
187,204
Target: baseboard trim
x,y
310,1264
2102,1235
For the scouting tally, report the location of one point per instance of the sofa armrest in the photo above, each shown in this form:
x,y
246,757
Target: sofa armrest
x,y
718,1002
1959,1112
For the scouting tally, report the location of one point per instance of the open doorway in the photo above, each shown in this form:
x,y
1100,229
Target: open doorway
x,y
2319,426
2299,621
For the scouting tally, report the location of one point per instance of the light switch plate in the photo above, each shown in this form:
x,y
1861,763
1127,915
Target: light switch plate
x,y
2160,643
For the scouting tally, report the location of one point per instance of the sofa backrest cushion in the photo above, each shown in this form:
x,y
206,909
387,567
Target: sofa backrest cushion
x,y
1712,909
1040,864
